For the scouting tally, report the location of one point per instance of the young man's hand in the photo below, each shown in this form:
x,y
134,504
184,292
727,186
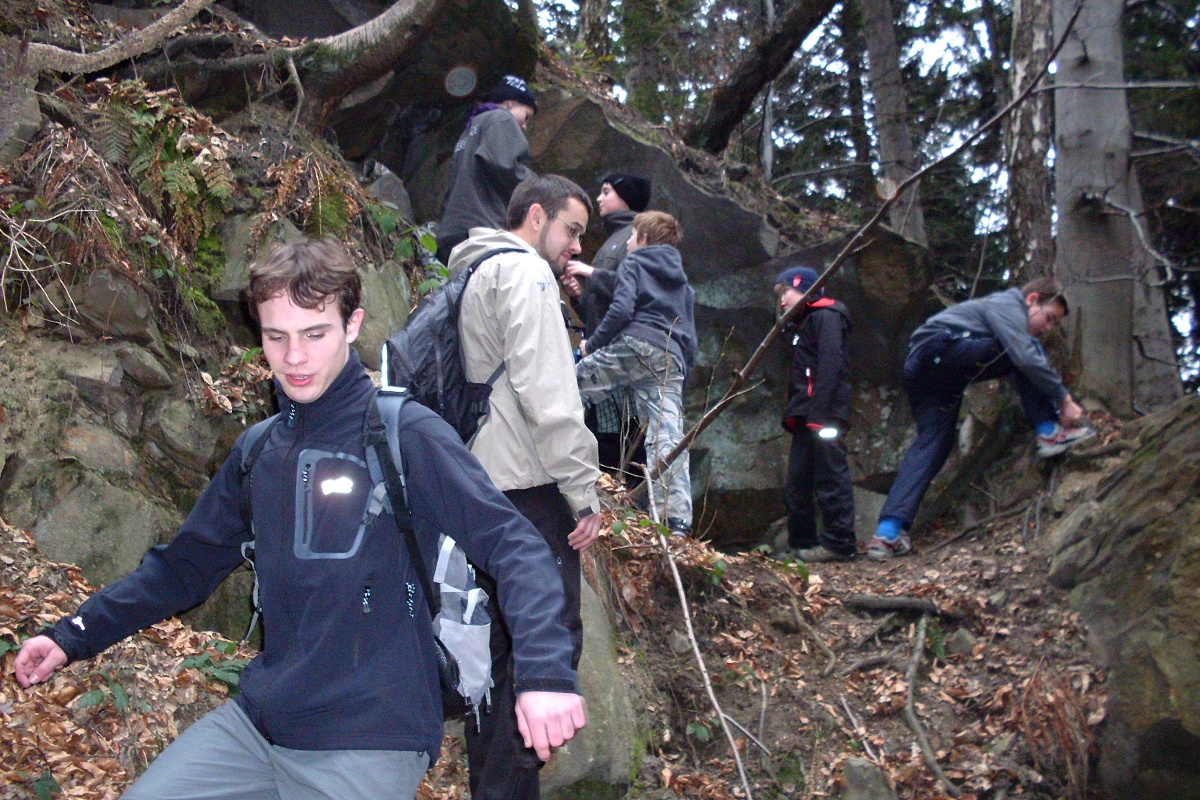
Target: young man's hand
x,y
585,533
570,286
549,719
1069,412
40,657
578,269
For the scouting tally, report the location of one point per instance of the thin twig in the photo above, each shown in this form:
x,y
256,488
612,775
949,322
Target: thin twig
x,y
875,631
983,523
860,730
885,660
1143,237
294,78
812,632
762,719
910,678
691,632
856,241
750,735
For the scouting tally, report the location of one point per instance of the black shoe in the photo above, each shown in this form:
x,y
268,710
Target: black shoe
x,y
821,554
678,527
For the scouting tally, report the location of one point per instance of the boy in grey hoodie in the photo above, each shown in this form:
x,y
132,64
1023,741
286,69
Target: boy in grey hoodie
x,y
647,342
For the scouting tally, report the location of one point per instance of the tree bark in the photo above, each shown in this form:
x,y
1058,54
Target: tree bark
x,y
762,64
896,152
1027,142
861,181
593,27
766,149
1119,322
47,56
334,66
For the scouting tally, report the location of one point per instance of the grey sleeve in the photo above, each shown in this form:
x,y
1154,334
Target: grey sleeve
x,y
1010,326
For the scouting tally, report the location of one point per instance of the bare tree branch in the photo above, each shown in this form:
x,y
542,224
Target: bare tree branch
x,y
47,56
764,61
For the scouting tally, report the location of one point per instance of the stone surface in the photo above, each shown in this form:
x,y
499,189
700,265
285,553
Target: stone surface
x,y
98,449
97,374
141,365
1131,559
20,116
599,762
113,305
386,299
103,529
235,240
187,438
865,781
961,643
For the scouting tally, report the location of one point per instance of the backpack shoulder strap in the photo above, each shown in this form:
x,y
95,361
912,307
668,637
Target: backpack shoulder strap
x,y
385,462
252,446
495,376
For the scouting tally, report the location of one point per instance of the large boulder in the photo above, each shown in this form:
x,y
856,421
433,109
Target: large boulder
x,y
600,762
1131,559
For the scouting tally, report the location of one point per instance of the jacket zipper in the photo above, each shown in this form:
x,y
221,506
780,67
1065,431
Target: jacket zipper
x,y
808,375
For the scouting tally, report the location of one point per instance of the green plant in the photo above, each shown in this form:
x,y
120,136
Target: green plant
x,y
176,156
227,671
699,730
715,571
46,786
936,639
111,691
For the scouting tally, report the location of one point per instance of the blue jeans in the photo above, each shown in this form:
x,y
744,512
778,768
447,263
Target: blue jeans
x,y
935,377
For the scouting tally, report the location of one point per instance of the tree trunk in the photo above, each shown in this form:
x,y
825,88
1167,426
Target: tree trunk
x,y
1027,143
896,152
334,66
766,150
861,181
593,27
1119,322
762,64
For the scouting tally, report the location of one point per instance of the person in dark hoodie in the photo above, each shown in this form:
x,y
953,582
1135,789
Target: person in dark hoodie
x,y
817,416
490,159
647,342
590,287
344,700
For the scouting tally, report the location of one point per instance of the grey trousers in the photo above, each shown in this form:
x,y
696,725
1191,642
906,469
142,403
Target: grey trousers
x,y
222,757
656,379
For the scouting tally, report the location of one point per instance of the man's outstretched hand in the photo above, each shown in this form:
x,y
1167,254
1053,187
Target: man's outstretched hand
x,y
40,657
549,719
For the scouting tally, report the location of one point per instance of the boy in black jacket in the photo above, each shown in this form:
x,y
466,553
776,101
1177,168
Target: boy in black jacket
x,y
344,700
817,415
647,341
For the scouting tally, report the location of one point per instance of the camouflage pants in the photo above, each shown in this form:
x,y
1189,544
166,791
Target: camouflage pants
x,y
656,380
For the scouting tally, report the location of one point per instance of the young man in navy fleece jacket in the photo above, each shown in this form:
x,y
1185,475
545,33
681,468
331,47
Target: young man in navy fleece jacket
x,y
344,699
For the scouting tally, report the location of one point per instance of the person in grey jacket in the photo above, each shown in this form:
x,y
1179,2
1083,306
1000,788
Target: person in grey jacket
x,y
490,159
647,341
991,337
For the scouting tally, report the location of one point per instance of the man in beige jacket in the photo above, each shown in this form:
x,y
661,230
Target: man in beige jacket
x,y
533,442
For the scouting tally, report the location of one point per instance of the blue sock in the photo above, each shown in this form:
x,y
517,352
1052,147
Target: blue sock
x,y
1045,428
889,528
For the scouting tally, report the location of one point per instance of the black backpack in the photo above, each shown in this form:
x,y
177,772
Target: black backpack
x,y
426,357
458,608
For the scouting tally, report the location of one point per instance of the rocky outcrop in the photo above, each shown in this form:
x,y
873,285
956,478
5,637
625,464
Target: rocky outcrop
x,y
1131,557
732,253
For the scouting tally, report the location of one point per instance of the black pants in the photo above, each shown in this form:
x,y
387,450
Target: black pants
x,y
818,467
501,767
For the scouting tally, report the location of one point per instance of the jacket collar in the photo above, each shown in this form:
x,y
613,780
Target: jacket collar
x,y
617,220
350,386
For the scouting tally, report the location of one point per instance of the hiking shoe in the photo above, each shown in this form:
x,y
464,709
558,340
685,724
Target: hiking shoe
x,y
1062,439
821,554
883,550
678,527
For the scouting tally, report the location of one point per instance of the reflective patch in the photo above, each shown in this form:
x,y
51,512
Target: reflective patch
x,y
342,485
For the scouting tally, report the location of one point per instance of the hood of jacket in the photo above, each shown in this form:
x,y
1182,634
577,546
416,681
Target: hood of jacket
x,y
480,242
662,263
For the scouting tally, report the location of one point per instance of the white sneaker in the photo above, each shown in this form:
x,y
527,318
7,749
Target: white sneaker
x,y
1062,439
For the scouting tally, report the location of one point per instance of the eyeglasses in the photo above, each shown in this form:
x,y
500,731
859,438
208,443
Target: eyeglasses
x,y
574,229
